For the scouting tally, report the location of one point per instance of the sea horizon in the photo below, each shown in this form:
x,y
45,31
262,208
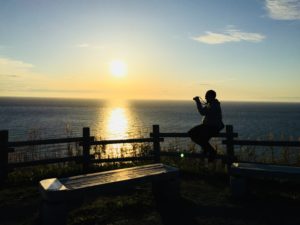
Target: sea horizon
x,y
146,99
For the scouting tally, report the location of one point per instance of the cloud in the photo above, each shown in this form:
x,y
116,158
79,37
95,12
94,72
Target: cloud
x,y
46,89
87,45
83,45
283,9
6,63
10,75
15,74
230,35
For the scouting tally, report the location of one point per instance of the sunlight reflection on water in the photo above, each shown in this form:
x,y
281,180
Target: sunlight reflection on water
x,y
116,123
114,120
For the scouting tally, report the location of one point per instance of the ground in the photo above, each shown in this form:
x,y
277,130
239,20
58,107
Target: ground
x,y
205,199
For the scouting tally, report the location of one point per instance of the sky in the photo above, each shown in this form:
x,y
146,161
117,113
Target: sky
x,y
151,49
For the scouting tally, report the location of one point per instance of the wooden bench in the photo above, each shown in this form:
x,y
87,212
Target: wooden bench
x,y
56,193
241,172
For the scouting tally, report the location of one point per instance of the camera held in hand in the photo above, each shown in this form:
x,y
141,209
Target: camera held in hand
x,y
196,98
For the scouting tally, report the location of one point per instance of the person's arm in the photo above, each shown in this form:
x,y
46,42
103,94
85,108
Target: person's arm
x,y
202,110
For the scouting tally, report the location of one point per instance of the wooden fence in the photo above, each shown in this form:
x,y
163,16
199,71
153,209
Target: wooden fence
x,y
86,141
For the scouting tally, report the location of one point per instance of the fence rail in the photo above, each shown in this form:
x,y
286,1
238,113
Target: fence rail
x,y
184,135
45,161
87,141
45,142
265,143
123,141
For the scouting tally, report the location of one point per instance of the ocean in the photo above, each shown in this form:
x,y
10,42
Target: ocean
x,y
38,118
55,118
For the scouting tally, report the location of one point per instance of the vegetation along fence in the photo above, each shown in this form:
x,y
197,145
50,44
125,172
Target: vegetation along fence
x,y
87,141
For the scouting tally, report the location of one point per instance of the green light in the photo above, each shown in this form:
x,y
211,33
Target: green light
x,y
181,155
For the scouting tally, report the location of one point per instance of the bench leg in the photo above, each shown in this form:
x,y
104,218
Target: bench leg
x,y
167,198
53,213
238,186
166,189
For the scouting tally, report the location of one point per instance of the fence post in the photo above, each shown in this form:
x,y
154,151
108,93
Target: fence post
x,y
86,148
229,146
3,155
156,143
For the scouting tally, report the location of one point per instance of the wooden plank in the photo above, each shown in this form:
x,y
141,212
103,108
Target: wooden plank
x,y
156,143
78,139
102,179
121,141
171,135
114,176
189,155
256,170
229,146
45,142
164,135
76,159
45,161
125,159
3,155
86,149
265,143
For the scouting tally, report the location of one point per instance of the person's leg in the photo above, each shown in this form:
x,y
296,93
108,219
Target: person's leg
x,y
199,135
211,131
212,153
204,135
194,133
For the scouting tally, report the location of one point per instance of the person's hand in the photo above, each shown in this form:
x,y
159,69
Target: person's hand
x,y
196,98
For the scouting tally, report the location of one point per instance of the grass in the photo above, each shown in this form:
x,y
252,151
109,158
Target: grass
x,y
205,195
205,199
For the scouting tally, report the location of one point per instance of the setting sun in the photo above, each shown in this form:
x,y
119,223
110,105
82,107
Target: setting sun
x,y
118,68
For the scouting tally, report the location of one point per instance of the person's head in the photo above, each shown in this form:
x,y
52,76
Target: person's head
x,y
210,95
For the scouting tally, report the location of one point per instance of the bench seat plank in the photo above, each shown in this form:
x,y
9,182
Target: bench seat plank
x,y
102,180
264,170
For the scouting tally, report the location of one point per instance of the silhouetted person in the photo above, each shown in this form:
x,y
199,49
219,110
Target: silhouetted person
x,y
211,124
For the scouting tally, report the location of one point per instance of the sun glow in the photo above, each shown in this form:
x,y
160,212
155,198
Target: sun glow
x,y
118,68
